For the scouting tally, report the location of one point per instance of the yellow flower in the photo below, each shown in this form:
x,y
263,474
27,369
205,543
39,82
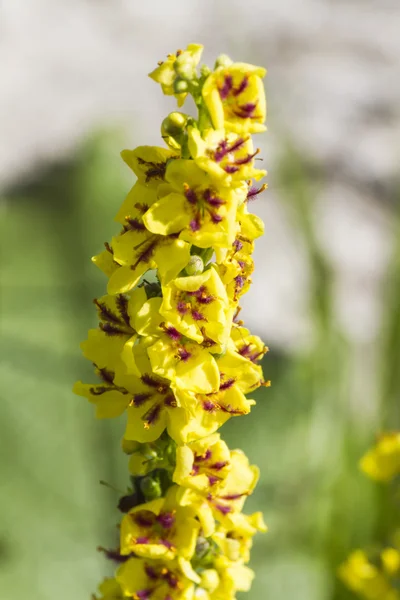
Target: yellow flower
x,y
142,579
105,261
152,405
188,364
192,206
238,376
149,163
203,464
139,251
148,399
247,345
236,539
198,307
382,462
137,202
227,499
225,156
235,98
233,577
105,345
236,265
364,578
160,529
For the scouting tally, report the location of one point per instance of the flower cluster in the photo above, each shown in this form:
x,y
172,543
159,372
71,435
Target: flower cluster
x,y
170,351
376,575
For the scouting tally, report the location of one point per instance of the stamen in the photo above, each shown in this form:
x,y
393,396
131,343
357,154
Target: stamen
x,y
184,354
151,416
135,224
206,456
166,520
139,399
198,316
142,207
226,88
208,406
189,194
154,382
226,384
223,509
172,332
219,465
254,191
194,224
243,85
215,217
182,307
213,200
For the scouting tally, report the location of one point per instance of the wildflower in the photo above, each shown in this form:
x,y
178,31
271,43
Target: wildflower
x,y
383,461
247,345
198,307
225,156
236,538
189,365
194,207
226,500
235,98
143,579
202,464
160,529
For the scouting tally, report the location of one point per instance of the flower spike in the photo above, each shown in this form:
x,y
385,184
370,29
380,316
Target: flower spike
x,y
169,353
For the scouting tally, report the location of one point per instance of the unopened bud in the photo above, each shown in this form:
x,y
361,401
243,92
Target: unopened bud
x,y
195,265
150,488
174,124
223,60
180,86
205,70
185,67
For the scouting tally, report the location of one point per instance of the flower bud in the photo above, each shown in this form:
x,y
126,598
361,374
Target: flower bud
x,y
150,488
195,265
223,60
174,124
180,86
185,66
205,70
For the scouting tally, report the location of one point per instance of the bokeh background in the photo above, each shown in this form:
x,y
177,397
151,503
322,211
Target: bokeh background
x,y
326,293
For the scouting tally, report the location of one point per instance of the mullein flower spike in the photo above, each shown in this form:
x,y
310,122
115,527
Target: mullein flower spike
x,y
170,351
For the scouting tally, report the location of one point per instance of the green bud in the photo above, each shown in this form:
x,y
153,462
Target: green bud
x,y
148,452
180,86
223,60
170,454
205,70
174,124
184,67
195,265
150,488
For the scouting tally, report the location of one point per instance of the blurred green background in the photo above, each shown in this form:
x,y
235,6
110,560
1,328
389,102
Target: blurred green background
x,y
306,432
